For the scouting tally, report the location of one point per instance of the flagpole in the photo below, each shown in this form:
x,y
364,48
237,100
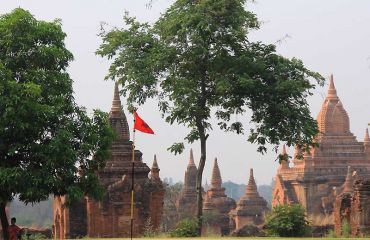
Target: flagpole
x,y
132,181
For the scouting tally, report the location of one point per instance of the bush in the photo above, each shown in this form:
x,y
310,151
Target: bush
x,y
185,228
287,221
346,229
331,234
248,231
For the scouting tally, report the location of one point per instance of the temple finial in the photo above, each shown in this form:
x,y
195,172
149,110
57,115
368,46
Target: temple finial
x,y
155,169
283,152
155,164
191,159
367,138
284,163
332,92
347,186
216,180
116,103
251,189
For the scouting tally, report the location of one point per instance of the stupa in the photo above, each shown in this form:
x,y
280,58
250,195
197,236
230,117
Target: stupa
x,y
251,208
187,202
216,206
111,217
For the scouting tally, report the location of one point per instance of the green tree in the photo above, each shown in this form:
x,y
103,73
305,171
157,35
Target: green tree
x,y
46,140
287,221
198,62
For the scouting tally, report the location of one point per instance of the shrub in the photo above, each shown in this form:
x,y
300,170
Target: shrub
x,y
185,228
331,234
287,221
346,229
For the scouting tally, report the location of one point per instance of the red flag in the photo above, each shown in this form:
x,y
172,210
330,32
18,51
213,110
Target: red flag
x,y
141,125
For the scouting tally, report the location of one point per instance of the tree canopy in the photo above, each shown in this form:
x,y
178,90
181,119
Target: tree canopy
x,y
197,61
46,140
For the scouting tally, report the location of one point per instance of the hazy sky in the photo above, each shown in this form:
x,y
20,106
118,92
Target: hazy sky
x,y
331,36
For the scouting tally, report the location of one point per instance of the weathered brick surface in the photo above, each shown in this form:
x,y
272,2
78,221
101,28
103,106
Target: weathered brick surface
x,y
187,202
216,206
354,208
251,208
318,178
112,216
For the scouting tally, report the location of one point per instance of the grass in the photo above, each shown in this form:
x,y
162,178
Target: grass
x,y
223,238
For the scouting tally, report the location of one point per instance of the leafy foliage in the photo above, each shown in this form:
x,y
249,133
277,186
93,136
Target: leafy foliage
x,y
46,140
197,56
287,221
185,228
198,62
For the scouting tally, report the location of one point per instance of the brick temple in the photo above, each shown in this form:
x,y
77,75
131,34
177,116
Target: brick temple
x,y
187,202
251,207
317,179
111,217
216,206
352,206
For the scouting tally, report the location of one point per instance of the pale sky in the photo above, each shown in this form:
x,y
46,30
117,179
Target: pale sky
x,y
331,36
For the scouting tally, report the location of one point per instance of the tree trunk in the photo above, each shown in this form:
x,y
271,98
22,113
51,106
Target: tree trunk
x,y
4,221
202,162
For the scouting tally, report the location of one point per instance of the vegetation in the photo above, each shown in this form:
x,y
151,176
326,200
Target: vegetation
x,y
185,228
149,231
36,215
287,221
346,229
170,214
46,140
198,62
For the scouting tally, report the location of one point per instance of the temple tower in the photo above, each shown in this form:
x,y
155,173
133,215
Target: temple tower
x,y
251,208
217,205
187,202
284,164
311,180
367,142
111,217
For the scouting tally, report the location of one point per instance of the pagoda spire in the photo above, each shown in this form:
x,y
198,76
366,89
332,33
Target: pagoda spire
x,y
332,92
155,164
116,103
191,159
284,163
155,169
251,189
216,180
190,175
347,185
283,152
367,138
118,118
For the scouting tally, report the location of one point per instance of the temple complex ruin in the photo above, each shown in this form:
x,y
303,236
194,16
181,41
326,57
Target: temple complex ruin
x,y
319,178
111,217
216,206
251,208
352,206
